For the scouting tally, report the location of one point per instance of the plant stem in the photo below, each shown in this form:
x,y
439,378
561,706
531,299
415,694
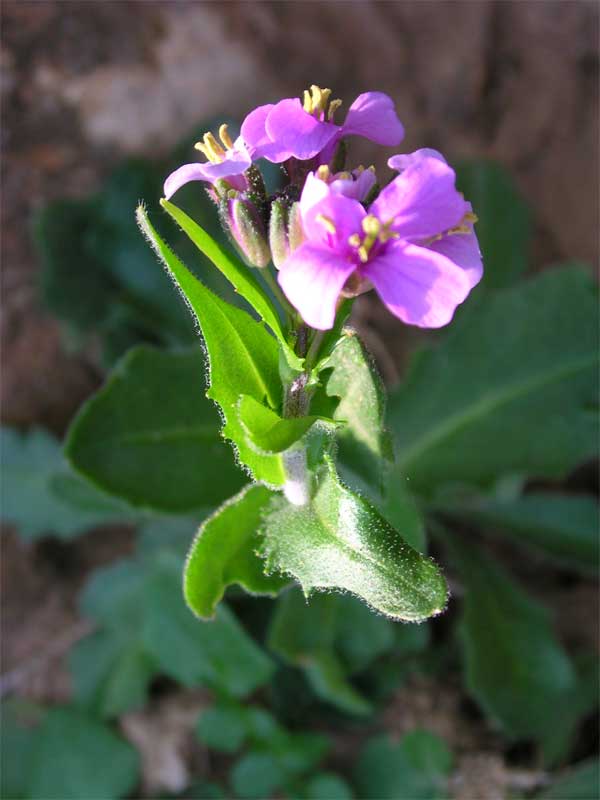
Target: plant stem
x,y
313,350
279,295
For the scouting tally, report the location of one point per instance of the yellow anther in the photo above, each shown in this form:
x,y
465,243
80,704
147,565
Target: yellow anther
x,y
326,222
343,176
333,107
323,172
211,148
359,170
203,150
354,240
363,254
371,225
371,168
307,103
225,137
386,235
471,217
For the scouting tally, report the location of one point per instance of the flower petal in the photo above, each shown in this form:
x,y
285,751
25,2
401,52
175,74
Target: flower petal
x,y
463,250
256,139
312,279
183,175
405,160
290,127
373,116
357,187
417,285
329,218
422,201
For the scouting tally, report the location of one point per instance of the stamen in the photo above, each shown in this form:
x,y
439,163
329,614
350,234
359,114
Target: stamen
x,y
471,217
354,240
363,254
386,235
333,107
323,172
225,137
327,223
371,225
343,176
307,102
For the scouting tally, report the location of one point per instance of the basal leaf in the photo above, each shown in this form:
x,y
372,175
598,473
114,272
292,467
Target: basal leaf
x,y
515,666
512,389
504,227
562,526
241,277
267,431
150,436
69,748
339,541
224,553
243,356
41,495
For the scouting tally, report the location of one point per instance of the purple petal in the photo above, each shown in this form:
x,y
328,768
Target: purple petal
x,y
463,250
356,187
312,279
256,138
320,201
373,116
417,285
183,175
422,201
405,160
290,127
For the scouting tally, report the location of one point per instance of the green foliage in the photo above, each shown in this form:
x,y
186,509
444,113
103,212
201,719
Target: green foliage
x,y
416,768
141,599
224,553
331,637
364,444
564,527
40,494
579,783
512,388
242,355
503,227
266,431
327,786
340,541
150,436
515,666
76,756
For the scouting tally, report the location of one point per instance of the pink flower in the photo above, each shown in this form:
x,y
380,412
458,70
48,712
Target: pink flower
x,y
291,129
415,245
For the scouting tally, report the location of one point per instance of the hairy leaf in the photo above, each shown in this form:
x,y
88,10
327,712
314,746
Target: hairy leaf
x,y
243,357
224,553
267,431
511,389
150,436
340,541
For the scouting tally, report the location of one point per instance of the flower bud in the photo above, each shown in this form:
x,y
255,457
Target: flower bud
x,y
285,230
243,222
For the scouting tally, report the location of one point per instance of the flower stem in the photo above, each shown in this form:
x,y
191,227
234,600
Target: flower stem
x,y
279,295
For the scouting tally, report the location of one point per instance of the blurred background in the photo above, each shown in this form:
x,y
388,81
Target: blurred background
x,y
95,89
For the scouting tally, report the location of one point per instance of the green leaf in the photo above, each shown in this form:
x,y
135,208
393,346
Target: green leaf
x,y
111,672
150,436
562,526
339,541
578,783
243,357
240,276
20,719
224,553
256,775
327,786
40,495
223,728
416,768
267,431
504,227
400,509
331,637
218,654
363,441
142,598
511,389
514,665
77,756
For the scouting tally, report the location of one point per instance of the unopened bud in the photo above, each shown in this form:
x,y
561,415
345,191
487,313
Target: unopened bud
x,y
285,230
246,228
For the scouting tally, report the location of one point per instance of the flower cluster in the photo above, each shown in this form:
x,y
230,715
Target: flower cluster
x,y
332,232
